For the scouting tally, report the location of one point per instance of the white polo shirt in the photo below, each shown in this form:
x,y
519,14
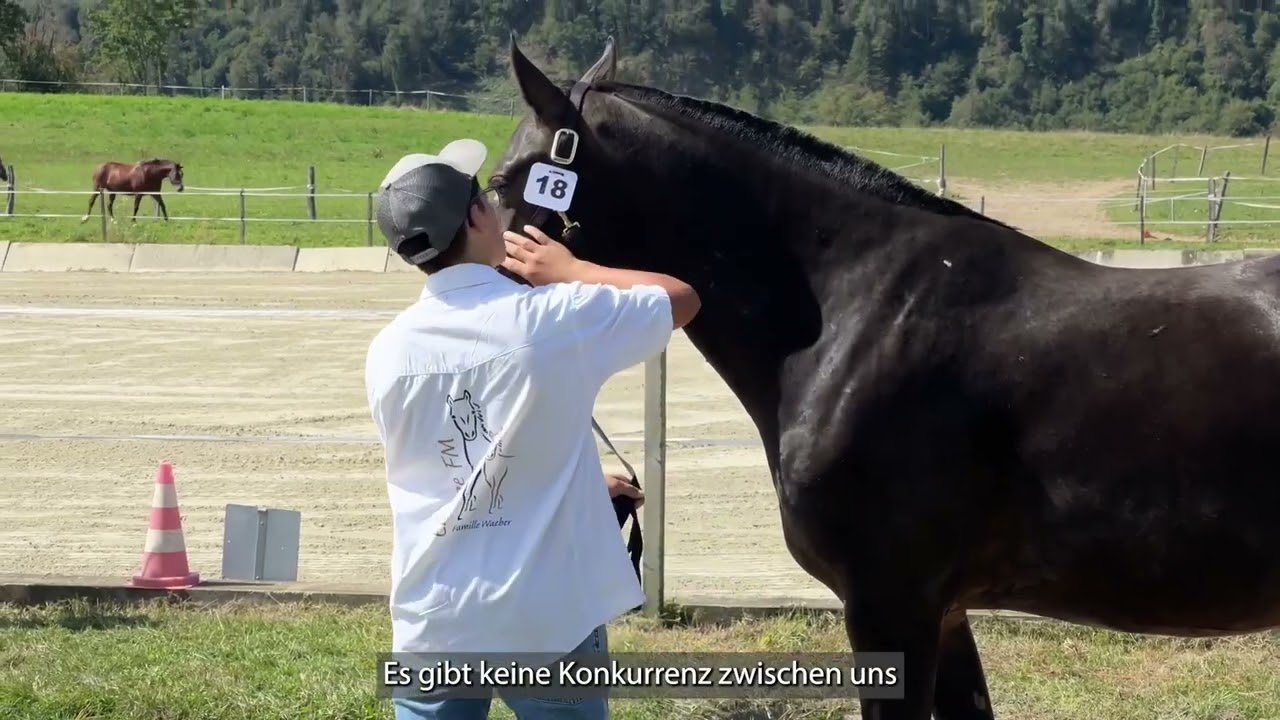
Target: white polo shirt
x,y
504,535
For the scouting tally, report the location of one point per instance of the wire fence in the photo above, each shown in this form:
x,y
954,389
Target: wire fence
x,y
426,98
1155,211
301,214
354,208
937,183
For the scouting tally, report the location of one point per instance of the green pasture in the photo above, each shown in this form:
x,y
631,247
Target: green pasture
x,y
86,662
56,140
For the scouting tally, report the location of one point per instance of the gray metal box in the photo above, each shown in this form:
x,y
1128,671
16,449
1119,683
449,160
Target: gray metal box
x,y
260,543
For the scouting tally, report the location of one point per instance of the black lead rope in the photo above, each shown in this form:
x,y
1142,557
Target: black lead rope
x,y
625,507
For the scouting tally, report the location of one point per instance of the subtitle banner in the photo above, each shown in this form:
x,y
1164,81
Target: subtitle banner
x,y
641,675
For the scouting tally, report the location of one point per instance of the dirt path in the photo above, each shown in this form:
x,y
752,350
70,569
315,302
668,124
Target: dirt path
x,y
90,361
1048,210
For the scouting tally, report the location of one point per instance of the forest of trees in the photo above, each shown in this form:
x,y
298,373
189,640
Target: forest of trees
x,y
1118,65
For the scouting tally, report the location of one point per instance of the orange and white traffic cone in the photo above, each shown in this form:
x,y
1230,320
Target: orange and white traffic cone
x,y
164,559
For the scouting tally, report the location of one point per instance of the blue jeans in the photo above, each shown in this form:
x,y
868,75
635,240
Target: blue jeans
x,y
525,708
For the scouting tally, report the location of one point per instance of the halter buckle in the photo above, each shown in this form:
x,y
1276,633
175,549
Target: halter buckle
x,y
573,146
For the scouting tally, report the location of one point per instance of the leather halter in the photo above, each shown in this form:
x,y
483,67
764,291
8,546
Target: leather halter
x,y
577,96
623,507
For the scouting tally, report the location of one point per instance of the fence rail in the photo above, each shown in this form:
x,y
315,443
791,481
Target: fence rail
x,y
422,97
243,218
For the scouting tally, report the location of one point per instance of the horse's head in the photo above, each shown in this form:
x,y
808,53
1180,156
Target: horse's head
x,y
657,188
175,176
592,135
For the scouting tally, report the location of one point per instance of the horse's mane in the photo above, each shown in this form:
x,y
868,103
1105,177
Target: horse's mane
x,y
802,149
156,161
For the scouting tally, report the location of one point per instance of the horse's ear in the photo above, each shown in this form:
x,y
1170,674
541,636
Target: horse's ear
x,y
605,67
466,394
548,103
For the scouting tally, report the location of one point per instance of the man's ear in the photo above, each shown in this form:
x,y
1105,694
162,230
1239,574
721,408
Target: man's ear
x,y
548,103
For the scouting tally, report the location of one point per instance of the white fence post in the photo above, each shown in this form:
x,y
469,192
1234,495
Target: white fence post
x,y
655,462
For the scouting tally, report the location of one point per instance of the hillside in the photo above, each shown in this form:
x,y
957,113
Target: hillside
x,y
55,141
1114,65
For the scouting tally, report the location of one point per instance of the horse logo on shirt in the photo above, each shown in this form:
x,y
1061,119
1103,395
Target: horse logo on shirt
x,y
468,418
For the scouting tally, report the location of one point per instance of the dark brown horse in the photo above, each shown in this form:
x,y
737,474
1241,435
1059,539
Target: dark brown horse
x,y
137,179
4,171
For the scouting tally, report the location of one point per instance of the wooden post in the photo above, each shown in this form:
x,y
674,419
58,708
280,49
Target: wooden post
x,y
1142,217
655,461
1204,152
1137,192
102,197
982,205
242,220
311,191
1208,226
1266,148
942,170
369,224
1152,167
1217,214
10,195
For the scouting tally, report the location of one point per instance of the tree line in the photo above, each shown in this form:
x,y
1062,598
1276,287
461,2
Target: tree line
x,y
1114,65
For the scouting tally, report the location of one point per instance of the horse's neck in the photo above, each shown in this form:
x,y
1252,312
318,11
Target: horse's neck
x,y
758,301
782,260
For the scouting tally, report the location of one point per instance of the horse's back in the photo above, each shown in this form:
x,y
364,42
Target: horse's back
x,y
111,172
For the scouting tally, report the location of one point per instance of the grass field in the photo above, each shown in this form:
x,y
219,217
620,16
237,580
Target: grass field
x,y
55,141
164,661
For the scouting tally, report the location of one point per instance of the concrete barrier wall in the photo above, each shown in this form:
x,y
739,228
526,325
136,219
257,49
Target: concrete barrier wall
x,y
1170,258
215,258
63,257
395,263
123,257
360,259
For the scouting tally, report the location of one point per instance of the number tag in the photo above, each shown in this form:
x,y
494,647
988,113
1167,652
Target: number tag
x,y
550,187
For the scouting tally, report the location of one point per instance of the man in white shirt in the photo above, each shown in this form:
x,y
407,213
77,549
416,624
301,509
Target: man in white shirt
x,y
504,539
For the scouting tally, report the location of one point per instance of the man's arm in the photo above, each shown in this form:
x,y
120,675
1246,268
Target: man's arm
x,y
541,260
684,300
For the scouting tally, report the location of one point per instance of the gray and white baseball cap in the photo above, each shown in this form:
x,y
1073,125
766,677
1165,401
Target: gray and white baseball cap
x,y
429,195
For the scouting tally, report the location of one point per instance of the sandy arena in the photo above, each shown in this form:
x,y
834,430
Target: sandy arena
x,y
252,385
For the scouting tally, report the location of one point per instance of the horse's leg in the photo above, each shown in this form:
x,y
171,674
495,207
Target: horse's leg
x,y
92,199
961,691
160,204
888,622
111,206
137,200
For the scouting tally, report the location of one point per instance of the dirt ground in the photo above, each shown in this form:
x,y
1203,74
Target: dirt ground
x,y
104,376
1050,210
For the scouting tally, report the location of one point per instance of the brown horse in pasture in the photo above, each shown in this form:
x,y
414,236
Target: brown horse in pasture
x,y
137,179
4,172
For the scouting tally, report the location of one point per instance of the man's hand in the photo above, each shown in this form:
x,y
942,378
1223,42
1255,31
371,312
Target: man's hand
x,y
538,258
621,485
